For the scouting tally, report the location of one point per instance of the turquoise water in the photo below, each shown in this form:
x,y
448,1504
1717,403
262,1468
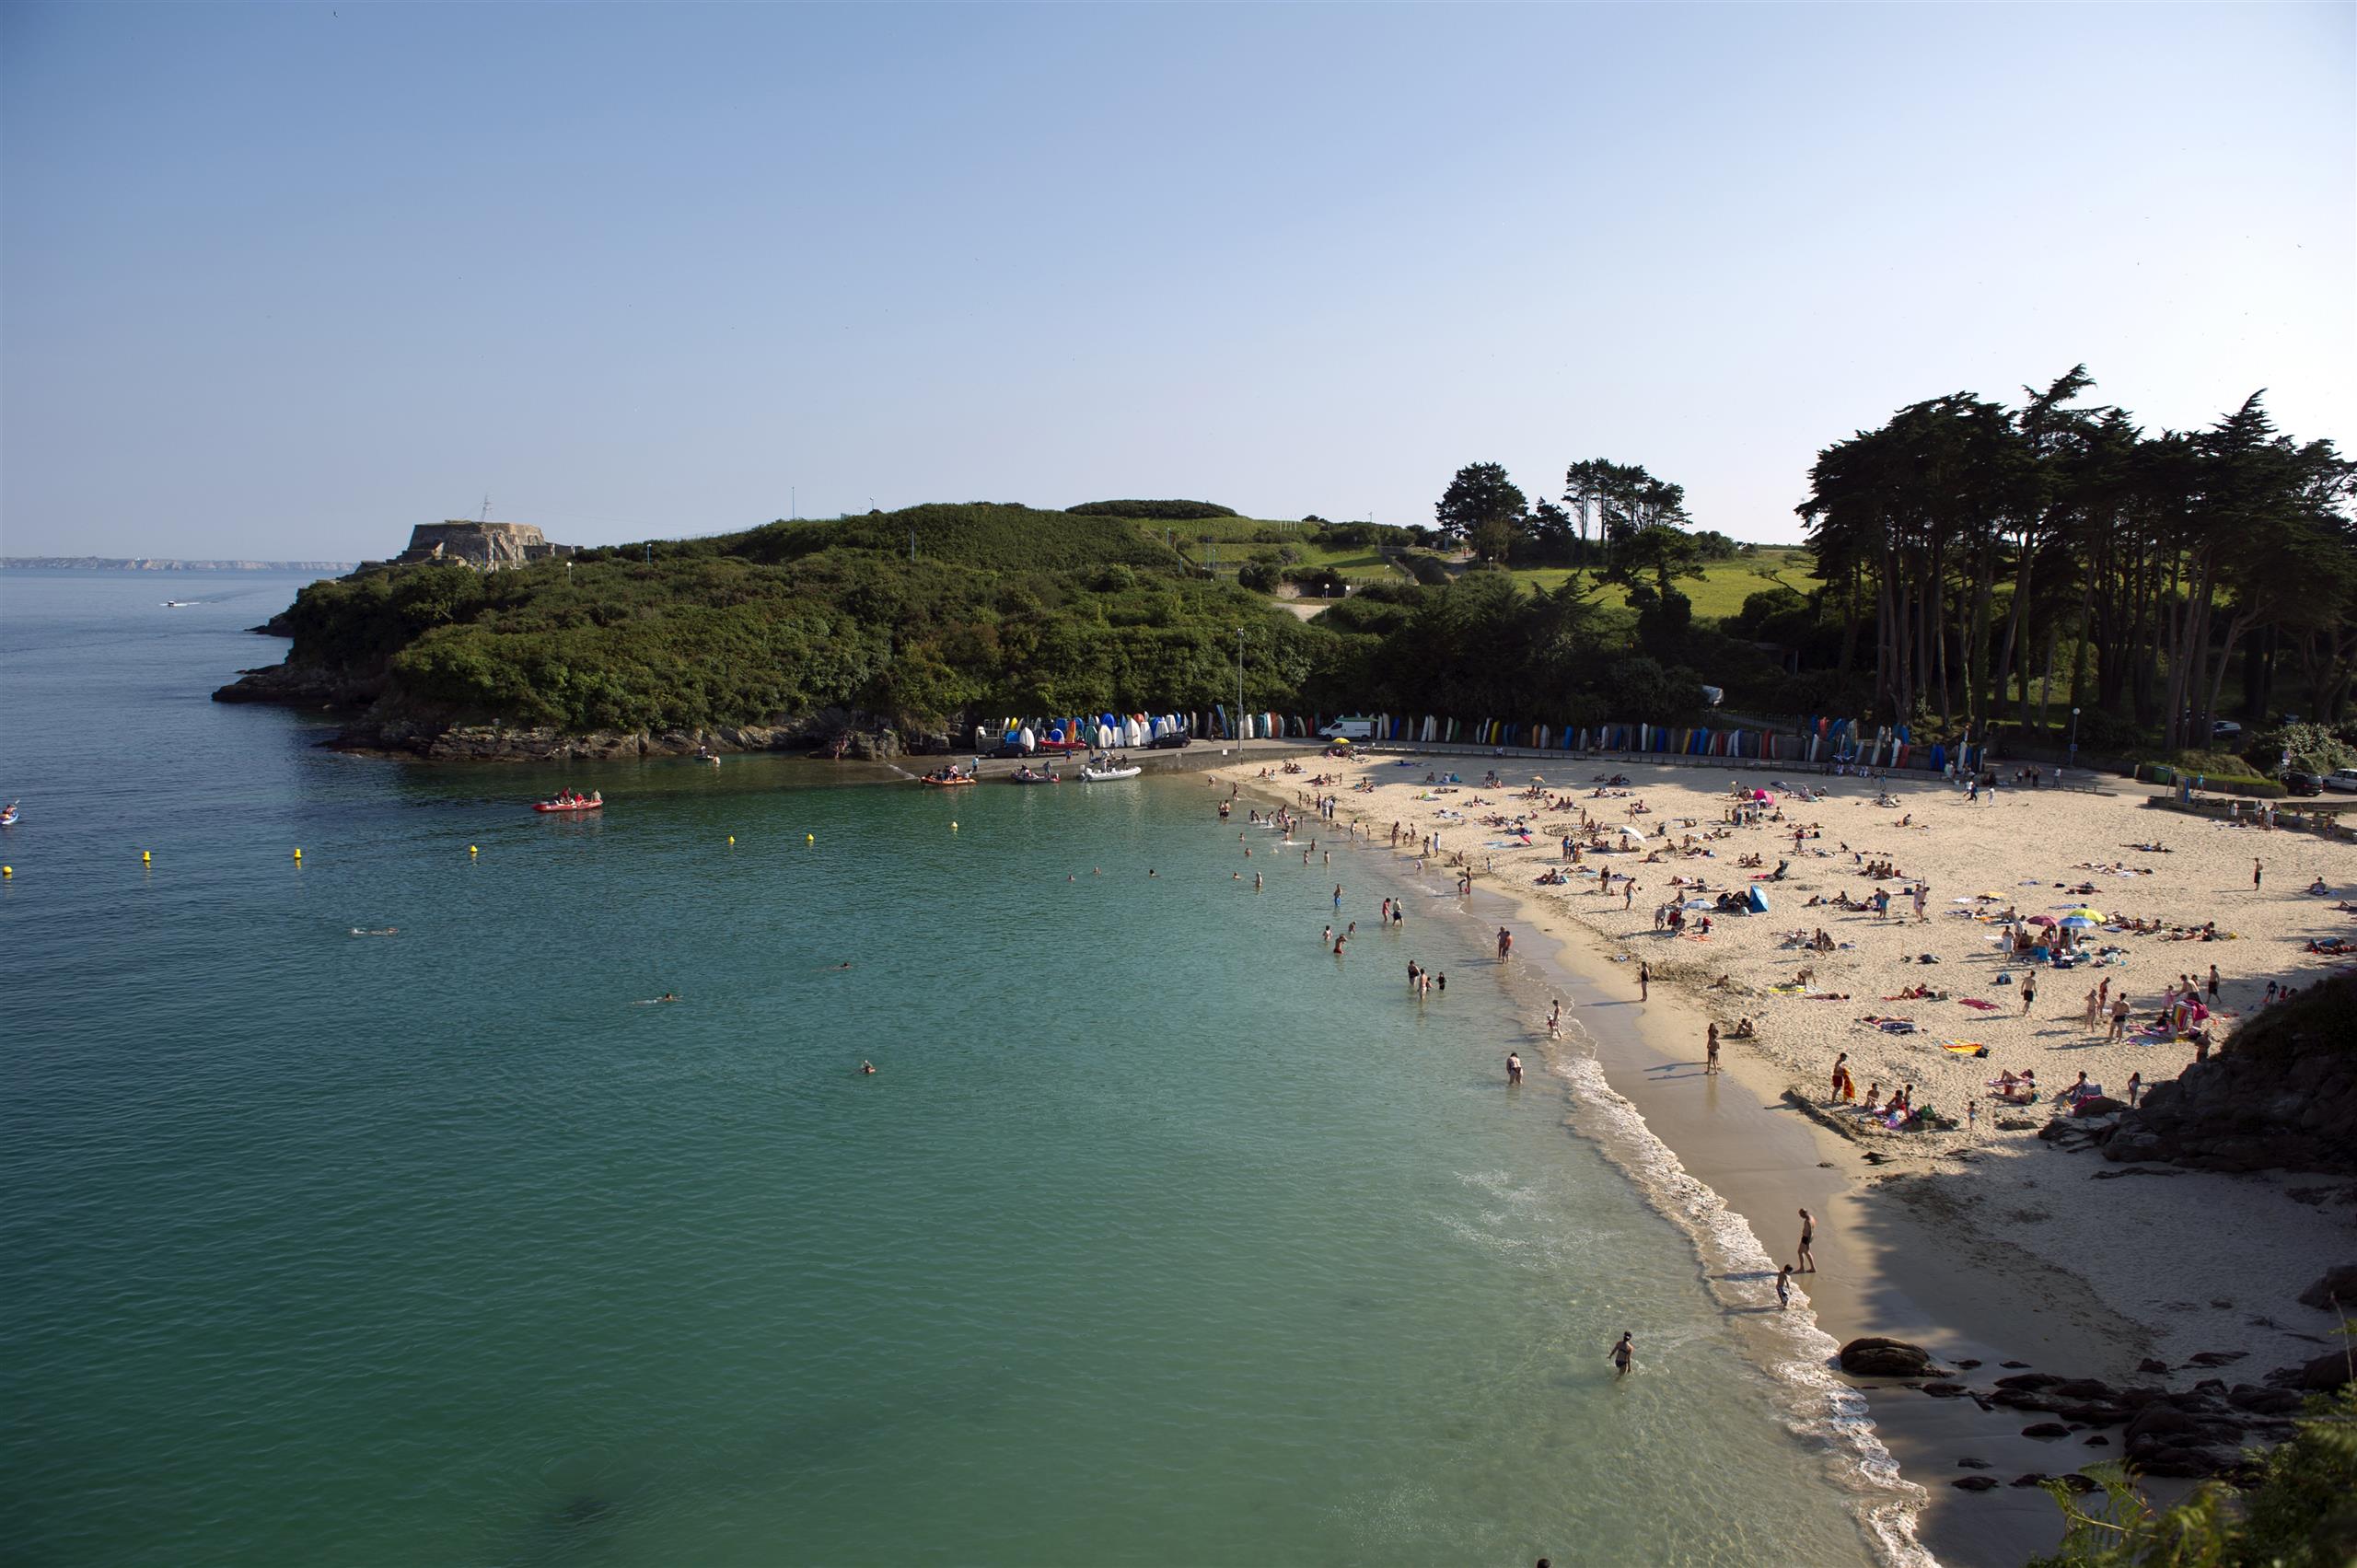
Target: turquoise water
x,y
1158,1236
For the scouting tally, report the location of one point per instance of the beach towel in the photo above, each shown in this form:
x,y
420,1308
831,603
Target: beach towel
x,y
1975,1002
1965,1046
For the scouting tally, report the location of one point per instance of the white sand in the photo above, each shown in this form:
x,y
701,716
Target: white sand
x,y
2198,1262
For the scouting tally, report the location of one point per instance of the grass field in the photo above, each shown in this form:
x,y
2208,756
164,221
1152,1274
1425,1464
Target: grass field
x,y
1725,584
1225,542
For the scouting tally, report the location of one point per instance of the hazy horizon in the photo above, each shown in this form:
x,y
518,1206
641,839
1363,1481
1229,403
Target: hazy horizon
x,y
281,281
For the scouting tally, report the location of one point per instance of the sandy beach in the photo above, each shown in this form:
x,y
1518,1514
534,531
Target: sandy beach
x,y
1982,1241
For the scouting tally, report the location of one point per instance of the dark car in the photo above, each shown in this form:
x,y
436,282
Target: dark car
x,y
2298,782
1007,749
1171,741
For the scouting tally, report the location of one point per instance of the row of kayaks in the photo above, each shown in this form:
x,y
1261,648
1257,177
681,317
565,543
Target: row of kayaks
x,y
1104,772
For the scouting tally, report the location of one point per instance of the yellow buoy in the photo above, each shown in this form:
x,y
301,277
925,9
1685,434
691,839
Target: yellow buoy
x,y
809,838
953,827
8,871
147,858
732,838
298,855
471,849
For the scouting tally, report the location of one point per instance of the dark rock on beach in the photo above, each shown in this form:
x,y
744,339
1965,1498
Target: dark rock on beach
x,y
2336,1288
2046,1429
1875,1357
1946,1390
1966,1482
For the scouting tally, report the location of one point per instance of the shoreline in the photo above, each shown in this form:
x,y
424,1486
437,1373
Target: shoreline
x,y
1901,1255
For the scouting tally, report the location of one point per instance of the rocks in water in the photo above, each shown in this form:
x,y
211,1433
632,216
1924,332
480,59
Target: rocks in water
x,y
2077,1482
2013,1363
2032,1478
1972,1464
2216,1357
2046,1429
1975,1484
1968,1364
2338,1287
1872,1356
2098,1441
2030,1379
2149,1365
1946,1391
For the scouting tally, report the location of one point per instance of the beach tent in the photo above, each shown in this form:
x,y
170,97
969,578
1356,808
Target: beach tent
x,y
1758,899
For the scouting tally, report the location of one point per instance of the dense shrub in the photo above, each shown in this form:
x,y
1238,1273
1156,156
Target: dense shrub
x,y
2315,747
2221,784
1153,511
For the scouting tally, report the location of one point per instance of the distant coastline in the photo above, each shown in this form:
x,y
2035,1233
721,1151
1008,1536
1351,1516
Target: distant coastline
x,y
160,563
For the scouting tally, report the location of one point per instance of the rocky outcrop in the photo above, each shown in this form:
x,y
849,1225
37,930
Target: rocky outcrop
x,y
2281,1095
300,686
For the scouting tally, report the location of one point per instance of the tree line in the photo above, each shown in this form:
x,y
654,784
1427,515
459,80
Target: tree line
x,y
1990,554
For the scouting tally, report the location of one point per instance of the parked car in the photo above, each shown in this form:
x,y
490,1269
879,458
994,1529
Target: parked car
x,y
2297,783
1169,740
2342,779
2224,729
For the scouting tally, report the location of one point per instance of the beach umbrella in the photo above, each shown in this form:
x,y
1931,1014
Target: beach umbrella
x,y
1758,795
2092,916
2041,920
2076,922
1628,832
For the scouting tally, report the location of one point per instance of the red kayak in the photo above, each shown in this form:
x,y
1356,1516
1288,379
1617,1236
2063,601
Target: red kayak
x,y
568,805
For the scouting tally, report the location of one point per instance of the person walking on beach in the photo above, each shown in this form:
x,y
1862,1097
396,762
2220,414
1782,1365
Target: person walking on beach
x,y
2135,1087
1710,1051
1629,893
2094,1006
1644,981
1514,1067
1807,1264
1624,1351
2029,993
1505,942
1785,1286
2255,869
1555,1020
2118,1017
2213,984
1841,1073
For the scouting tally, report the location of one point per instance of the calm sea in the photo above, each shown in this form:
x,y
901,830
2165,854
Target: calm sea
x,y
1159,1236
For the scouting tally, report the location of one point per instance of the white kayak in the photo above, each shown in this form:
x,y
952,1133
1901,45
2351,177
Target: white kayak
x,y
1106,775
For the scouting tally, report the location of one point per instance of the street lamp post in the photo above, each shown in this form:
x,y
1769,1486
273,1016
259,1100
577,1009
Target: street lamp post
x,y
2074,738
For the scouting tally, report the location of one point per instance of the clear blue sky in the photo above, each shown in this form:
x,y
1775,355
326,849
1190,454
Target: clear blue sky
x,y
283,280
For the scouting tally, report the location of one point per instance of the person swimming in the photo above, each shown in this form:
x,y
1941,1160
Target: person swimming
x,y
1624,1351
867,1067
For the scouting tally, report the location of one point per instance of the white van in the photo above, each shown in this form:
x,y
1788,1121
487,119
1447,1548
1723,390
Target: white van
x,y
1348,729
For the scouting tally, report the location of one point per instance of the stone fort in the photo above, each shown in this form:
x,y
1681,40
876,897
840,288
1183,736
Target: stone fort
x,y
487,546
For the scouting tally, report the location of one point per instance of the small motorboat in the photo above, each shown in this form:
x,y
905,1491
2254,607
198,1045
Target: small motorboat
x,y
948,781
8,815
1105,770
179,604
571,802
1028,776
